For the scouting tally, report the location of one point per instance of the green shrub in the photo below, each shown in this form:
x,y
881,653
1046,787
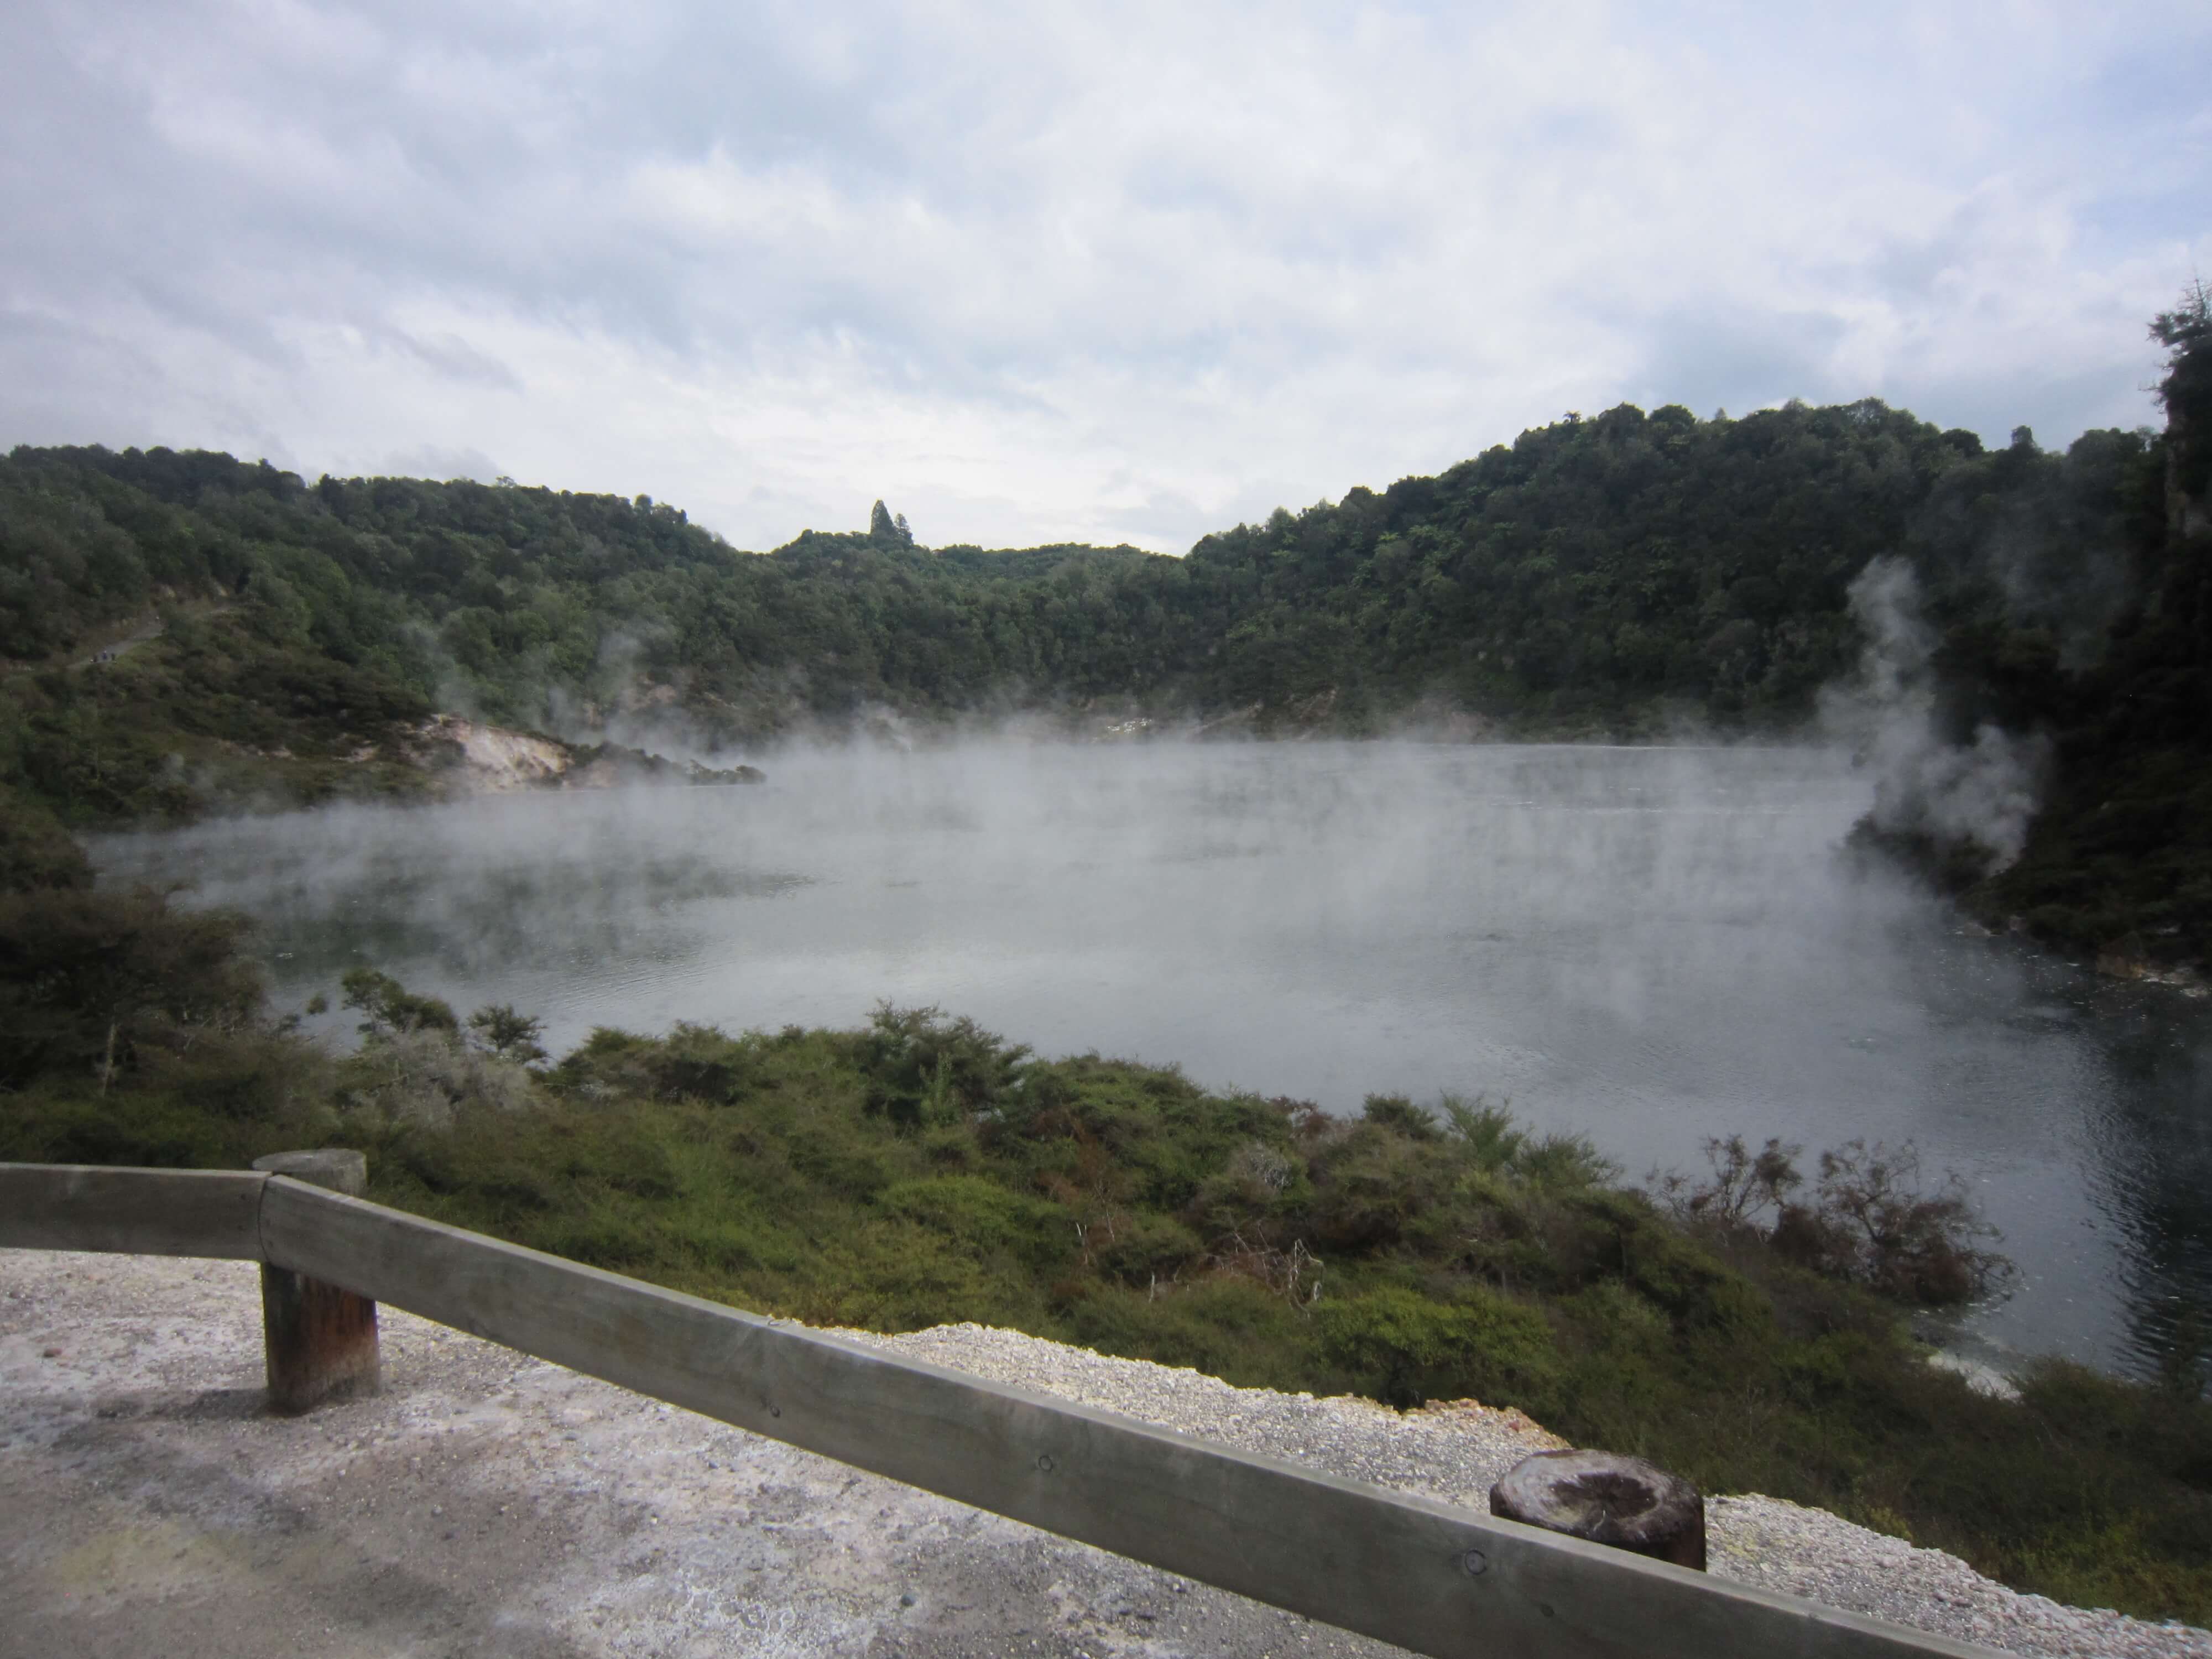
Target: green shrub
x,y
925,1068
35,851
391,1007
1564,1164
426,1078
610,1064
1489,1133
1406,1347
1228,1327
702,1061
122,1127
1870,1221
1398,1114
1139,1249
509,1034
983,1217
1372,1186
86,976
840,1161
248,1077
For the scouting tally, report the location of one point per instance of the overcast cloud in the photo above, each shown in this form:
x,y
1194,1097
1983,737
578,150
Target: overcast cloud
x,y
1036,273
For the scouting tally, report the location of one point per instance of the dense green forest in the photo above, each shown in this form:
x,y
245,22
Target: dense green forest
x,y
1594,576
1585,578
2120,856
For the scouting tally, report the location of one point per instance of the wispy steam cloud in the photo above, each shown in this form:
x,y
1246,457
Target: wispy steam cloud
x,y
1983,790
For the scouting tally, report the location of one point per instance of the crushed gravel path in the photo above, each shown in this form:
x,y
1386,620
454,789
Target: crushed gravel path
x,y
487,1503
1456,1452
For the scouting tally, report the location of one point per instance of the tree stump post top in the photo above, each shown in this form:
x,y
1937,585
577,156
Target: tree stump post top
x,y
1607,1498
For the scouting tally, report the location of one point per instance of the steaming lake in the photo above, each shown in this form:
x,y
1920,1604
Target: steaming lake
x,y
1651,946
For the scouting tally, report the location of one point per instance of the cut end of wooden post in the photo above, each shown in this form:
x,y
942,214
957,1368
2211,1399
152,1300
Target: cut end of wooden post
x,y
1623,1502
333,1166
320,1338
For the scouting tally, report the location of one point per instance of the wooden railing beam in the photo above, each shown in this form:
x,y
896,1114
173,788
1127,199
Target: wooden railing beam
x,y
1424,1575
85,1206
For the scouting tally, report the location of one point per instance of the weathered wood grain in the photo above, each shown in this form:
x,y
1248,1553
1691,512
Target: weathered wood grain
x,y
73,1206
318,1339
1426,1576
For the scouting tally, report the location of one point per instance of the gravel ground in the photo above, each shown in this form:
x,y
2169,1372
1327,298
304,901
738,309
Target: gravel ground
x,y
487,1503
1457,1451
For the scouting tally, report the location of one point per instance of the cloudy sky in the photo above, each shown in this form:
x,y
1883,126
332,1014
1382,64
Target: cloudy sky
x,y
1032,273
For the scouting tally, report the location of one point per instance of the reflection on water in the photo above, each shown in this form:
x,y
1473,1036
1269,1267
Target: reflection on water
x,y
1652,947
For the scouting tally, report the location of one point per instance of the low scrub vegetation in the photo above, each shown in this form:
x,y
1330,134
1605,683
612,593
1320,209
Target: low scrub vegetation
x,y
1869,1221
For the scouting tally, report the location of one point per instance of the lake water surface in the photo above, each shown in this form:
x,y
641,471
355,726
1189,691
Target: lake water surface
x,y
1647,945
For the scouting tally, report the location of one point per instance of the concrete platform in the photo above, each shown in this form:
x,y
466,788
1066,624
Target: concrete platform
x,y
484,1504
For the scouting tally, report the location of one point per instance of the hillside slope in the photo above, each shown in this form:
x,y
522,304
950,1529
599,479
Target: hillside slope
x,y
1606,575
2120,860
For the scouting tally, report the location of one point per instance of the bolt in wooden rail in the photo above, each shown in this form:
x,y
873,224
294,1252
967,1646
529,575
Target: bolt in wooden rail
x,y
1426,1576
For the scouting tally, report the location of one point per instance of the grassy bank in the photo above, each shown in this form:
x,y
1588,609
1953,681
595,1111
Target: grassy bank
x,y
920,1171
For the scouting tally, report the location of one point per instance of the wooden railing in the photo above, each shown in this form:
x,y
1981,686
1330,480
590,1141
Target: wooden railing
x,y
1411,1571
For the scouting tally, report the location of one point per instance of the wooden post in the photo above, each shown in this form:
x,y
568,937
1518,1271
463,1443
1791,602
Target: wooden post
x,y
1608,1499
321,1340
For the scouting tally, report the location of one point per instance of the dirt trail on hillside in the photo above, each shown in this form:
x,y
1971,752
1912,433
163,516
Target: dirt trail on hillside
x,y
123,646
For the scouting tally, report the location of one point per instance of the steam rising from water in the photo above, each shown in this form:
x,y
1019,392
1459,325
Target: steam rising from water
x,y
1647,945
1984,791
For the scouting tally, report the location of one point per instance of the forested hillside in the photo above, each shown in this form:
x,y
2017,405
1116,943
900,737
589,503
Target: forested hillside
x,y
1592,576
1600,572
2120,856
1623,575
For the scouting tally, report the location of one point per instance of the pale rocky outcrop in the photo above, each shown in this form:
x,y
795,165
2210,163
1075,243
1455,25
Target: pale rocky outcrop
x,y
478,759
495,760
